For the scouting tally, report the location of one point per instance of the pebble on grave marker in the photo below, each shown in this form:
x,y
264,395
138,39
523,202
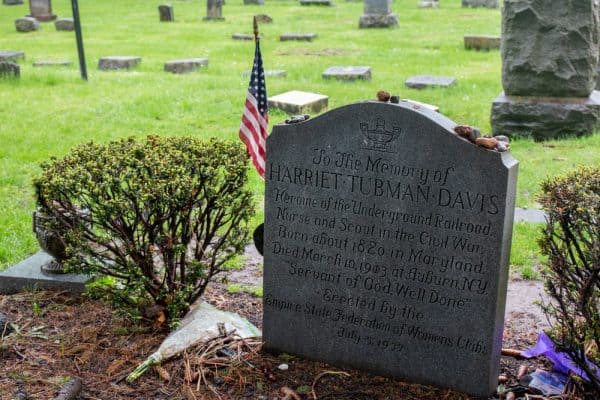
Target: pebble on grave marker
x,y
27,24
348,73
303,37
298,102
183,66
118,62
426,81
64,24
482,42
11,55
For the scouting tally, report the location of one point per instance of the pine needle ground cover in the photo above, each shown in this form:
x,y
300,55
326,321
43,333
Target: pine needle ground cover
x,y
50,110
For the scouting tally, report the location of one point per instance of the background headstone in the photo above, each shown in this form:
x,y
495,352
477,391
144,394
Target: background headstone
x,y
11,55
480,3
255,2
549,59
302,37
64,24
165,13
482,42
378,14
316,3
44,63
298,102
27,24
243,36
270,72
9,69
41,10
185,65
263,18
214,10
348,73
426,81
387,241
429,3
12,2
118,62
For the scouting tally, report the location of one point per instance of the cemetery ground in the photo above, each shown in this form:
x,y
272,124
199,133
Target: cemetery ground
x,y
49,110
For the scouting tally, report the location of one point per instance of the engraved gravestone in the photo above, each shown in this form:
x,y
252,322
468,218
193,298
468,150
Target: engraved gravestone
x,y
41,10
387,240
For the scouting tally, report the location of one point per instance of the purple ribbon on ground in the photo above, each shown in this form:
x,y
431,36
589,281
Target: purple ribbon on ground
x,y
562,362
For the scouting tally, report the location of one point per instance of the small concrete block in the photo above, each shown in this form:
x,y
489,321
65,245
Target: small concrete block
x,y
297,102
425,81
349,73
303,37
27,24
166,13
44,63
12,2
11,55
185,65
64,24
118,62
270,72
263,18
9,69
482,42
28,274
316,3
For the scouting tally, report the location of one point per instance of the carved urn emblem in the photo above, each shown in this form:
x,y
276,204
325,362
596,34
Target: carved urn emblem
x,y
379,136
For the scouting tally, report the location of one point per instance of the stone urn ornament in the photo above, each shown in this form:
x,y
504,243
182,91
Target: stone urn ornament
x,y
51,240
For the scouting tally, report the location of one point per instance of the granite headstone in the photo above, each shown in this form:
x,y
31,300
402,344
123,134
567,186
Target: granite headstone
x,y
378,14
214,10
165,13
12,2
9,69
387,241
64,24
41,10
27,24
549,55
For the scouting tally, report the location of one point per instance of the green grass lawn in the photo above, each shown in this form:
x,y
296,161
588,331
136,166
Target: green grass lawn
x,y
48,111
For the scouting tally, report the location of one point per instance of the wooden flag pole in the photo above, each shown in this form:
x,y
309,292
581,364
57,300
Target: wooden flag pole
x,y
255,30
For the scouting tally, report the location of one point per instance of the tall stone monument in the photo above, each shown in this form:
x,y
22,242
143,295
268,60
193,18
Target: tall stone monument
x,y
41,10
549,59
214,10
387,240
378,14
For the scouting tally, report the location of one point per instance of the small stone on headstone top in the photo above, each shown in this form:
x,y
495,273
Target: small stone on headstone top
x,y
165,13
348,73
64,24
298,102
270,72
12,2
316,3
480,3
28,274
44,63
482,42
11,55
185,65
27,24
118,62
303,37
255,2
9,69
426,81
429,4
263,18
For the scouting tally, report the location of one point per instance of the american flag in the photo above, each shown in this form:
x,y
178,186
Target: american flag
x,y
255,119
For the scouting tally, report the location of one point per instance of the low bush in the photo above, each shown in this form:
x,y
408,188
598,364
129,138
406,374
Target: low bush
x,y
162,215
571,240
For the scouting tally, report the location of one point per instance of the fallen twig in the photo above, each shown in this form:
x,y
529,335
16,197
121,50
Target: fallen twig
x,y
512,353
322,374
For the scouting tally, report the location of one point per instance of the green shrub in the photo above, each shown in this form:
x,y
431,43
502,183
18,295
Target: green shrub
x,y
162,215
571,240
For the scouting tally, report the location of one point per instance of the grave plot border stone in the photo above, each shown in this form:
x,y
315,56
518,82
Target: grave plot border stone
x,y
427,81
349,73
11,55
110,63
186,65
27,274
341,287
301,37
47,63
